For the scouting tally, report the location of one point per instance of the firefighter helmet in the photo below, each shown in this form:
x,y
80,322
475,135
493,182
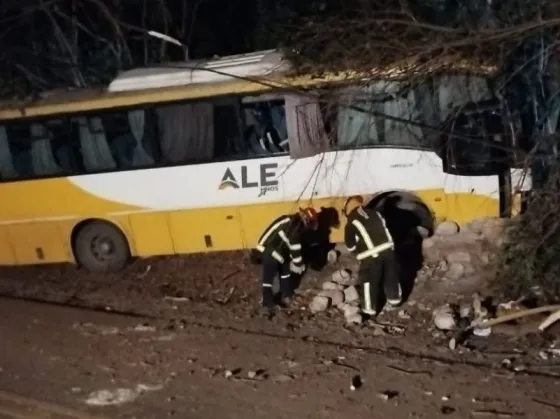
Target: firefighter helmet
x,y
309,215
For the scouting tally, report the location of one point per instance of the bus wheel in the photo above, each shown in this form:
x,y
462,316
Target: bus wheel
x,y
101,247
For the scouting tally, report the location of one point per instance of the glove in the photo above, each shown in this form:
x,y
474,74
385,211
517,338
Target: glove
x,y
332,256
298,269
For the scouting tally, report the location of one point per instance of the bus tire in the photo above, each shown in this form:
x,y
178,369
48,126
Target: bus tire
x,y
101,247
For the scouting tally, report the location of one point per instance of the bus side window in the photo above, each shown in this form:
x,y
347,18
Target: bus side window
x,y
131,138
265,127
7,169
186,132
227,131
19,141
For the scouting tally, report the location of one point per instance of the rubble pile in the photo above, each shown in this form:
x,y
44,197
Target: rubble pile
x,y
454,253
340,293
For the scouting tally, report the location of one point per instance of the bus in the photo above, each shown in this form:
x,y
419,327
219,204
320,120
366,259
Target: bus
x,y
200,156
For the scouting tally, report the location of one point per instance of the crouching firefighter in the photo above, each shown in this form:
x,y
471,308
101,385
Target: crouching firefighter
x,y
281,254
366,235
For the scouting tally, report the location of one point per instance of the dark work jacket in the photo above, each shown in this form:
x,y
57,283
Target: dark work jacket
x,y
366,233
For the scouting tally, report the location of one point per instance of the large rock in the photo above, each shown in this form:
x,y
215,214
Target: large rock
x,y
342,277
445,318
490,228
335,296
351,295
349,310
458,256
455,271
328,285
319,303
446,228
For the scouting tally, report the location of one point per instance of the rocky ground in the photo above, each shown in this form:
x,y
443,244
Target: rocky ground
x,y
181,336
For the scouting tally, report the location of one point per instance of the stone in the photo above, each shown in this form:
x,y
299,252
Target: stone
x,y
458,257
465,310
469,269
447,228
349,310
319,304
342,277
444,317
328,285
332,256
351,294
335,296
485,258
442,265
455,271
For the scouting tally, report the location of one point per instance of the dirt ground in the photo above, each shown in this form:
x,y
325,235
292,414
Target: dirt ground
x,y
167,331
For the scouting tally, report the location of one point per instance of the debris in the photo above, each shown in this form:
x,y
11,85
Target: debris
x,y
446,228
349,310
228,296
258,374
282,378
118,396
465,310
458,256
332,256
482,332
550,320
445,398
144,327
445,317
351,294
111,398
356,383
354,319
491,413
342,277
388,395
336,297
329,285
405,371
455,271
231,373
319,304
517,315
176,299
548,404
403,315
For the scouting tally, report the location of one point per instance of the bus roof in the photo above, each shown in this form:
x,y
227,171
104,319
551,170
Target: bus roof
x,y
244,73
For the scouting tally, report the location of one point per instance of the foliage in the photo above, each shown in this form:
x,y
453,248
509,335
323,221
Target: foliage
x,y
528,265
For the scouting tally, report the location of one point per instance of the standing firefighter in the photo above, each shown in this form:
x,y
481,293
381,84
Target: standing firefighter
x,y
281,250
366,235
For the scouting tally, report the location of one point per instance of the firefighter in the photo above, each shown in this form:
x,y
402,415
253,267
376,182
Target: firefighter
x,y
366,235
281,254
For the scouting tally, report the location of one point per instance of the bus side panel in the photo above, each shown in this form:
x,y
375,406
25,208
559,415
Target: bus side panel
x,y
206,230
255,218
7,256
151,234
38,242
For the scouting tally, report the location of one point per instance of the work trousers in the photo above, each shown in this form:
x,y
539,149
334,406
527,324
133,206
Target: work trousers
x,y
270,269
378,275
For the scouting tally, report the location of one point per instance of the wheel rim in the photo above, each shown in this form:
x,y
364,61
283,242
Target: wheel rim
x,y
102,248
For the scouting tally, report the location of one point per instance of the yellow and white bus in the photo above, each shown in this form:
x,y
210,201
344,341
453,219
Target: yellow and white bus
x,y
199,157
